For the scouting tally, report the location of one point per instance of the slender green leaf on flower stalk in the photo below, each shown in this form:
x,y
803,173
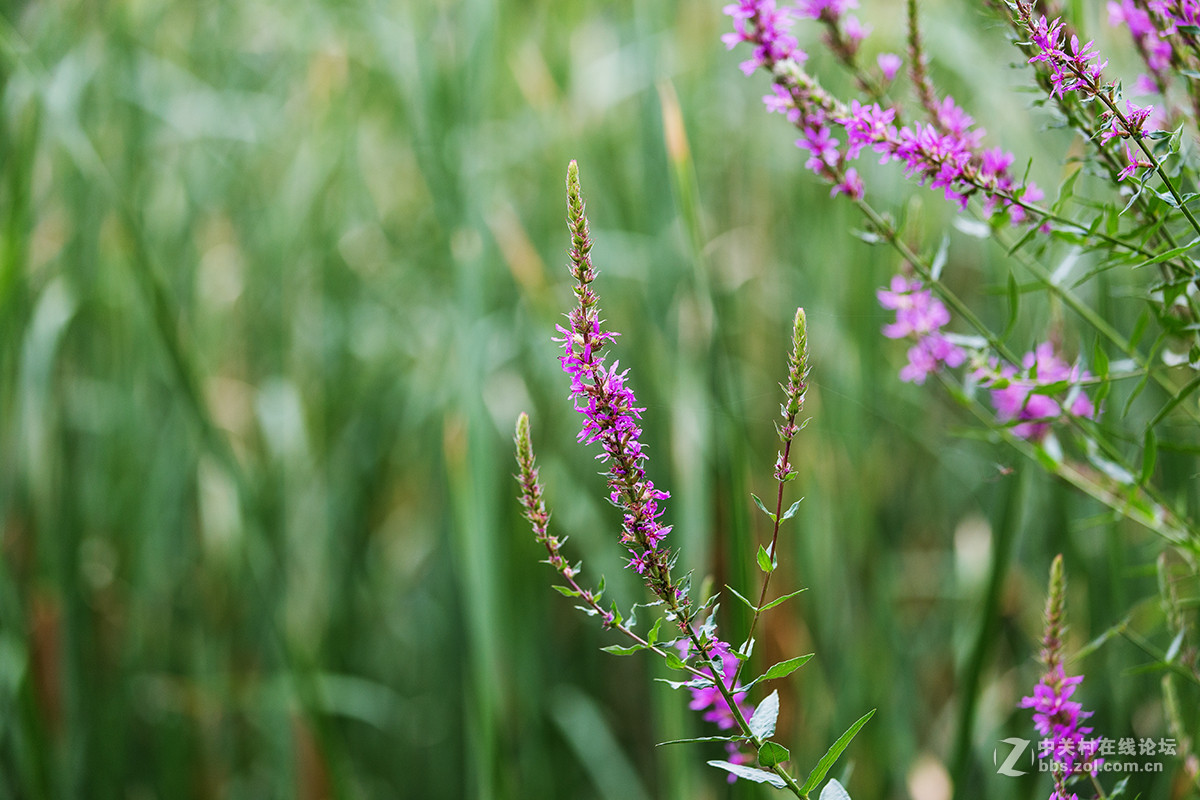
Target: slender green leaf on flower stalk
x,y
939,259
762,722
785,668
785,598
750,773
765,562
739,596
623,650
791,512
674,661
1178,398
565,591
826,763
1014,306
1101,366
705,739
762,507
772,754
1149,455
1095,644
652,636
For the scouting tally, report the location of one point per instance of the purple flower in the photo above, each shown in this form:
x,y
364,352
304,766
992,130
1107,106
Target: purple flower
x,y
1073,67
889,65
920,316
610,410
945,156
1025,395
766,27
850,185
824,9
1133,162
709,698
1059,720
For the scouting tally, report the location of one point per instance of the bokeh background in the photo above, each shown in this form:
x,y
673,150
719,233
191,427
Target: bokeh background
x,y
276,279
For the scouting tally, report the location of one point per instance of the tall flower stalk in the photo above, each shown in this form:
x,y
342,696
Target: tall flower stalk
x,y
612,418
1057,717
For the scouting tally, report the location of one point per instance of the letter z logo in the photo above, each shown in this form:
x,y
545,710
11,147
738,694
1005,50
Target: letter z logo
x,y
1018,747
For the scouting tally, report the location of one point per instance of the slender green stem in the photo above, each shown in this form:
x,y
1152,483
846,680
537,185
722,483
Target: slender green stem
x,y
762,595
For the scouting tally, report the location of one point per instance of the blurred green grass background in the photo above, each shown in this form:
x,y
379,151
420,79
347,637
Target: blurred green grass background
x,y
275,281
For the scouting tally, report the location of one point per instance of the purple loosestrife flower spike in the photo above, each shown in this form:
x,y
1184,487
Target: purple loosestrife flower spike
x,y
610,410
1056,716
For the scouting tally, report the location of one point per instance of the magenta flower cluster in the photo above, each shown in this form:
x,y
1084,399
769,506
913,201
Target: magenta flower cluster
x,y
1044,390
1059,720
1075,67
766,27
611,417
919,316
945,154
610,410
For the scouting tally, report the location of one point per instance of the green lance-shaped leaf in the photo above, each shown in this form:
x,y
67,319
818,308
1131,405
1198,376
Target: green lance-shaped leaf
x,y
765,562
750,773
785,598
674,661
772,753
621,650
785,668
739,596
1149,455
1014,306
762,507
652,636
762,722
791,512
826,763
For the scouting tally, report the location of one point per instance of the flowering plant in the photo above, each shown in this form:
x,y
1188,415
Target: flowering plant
x,y
686,635
1095,396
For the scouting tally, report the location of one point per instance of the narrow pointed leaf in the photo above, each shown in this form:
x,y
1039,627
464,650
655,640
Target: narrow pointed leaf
x,y
652,636
761,507
750,773
791,512
779,600
785,668
1149,455
674,661
764,560
704,739
621,650
826,763
738,595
